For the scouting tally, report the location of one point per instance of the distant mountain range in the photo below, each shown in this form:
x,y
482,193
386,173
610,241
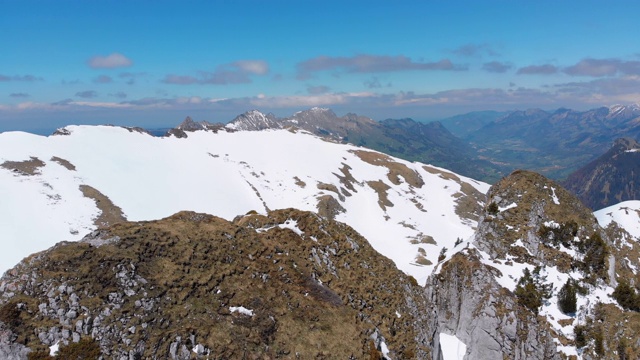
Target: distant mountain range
x,y
611,178
484,145
552,143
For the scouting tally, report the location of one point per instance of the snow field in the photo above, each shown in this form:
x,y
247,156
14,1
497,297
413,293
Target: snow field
x,y
224,174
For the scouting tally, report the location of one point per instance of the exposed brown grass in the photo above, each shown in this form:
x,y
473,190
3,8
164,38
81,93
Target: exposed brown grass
x,y
317,299
381,188
346,179
332,188
299,182
396,169
26,167
64,163
109,212
328,207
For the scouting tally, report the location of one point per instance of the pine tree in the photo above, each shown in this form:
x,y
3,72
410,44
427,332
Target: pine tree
x,y
567,300
531,290
626,296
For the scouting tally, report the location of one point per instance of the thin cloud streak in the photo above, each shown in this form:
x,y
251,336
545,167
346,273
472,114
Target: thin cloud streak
x,y
26,78
111,61
603,67
472,50
370,64
88,94
102,79
238,72
546,69
496,67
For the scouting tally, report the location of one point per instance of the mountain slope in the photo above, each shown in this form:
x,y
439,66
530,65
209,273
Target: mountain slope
x,y
532,224
70,184
609,179
286,285
428,143
465,124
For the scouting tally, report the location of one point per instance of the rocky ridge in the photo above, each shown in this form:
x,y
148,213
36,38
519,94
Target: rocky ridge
x,y
531,224
286,285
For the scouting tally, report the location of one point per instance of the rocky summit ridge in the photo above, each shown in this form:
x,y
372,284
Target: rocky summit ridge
x,y
286,285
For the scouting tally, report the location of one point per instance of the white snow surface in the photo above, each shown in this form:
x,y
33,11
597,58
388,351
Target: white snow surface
x,y
452,347
241,310
510,206
223,174
53,349
626,214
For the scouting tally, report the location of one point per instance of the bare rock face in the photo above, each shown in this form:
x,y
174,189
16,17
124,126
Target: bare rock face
x,y
9,349
469,303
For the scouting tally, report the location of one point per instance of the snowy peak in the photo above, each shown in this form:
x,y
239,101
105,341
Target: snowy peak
x,y
624,111
253,120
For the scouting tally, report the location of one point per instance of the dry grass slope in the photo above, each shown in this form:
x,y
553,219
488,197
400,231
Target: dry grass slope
x,y
171,284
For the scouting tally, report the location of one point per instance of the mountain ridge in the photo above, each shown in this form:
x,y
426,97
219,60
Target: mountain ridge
x,y
610,178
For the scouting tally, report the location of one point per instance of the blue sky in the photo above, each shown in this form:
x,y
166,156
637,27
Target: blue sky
x,y
152,63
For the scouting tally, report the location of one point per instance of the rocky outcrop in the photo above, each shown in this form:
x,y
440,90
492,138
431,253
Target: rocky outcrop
x,y
529,222
518,207
188,125
469,303
287,285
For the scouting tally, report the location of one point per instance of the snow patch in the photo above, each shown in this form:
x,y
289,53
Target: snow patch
x,y
241,310
452,347
554,197
512,205
625,214
291,225
53,349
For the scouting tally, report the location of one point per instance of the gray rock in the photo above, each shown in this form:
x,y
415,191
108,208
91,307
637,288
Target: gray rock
x,y
469,303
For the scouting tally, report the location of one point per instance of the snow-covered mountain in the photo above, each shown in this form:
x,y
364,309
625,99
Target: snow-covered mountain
x,y
407,139
253,120
523,272
62,187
